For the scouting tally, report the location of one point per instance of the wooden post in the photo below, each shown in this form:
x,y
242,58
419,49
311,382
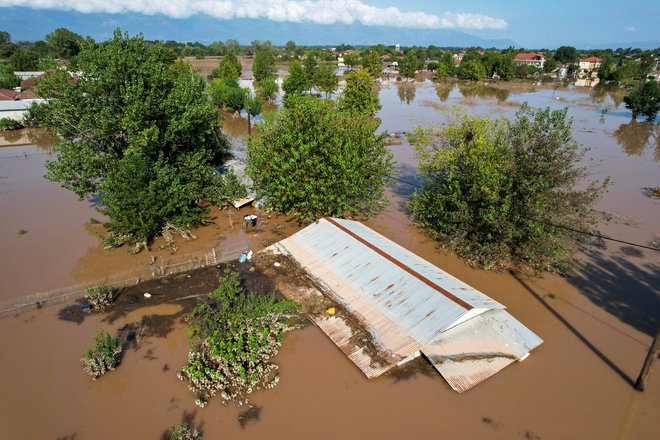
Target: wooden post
x,y
648,363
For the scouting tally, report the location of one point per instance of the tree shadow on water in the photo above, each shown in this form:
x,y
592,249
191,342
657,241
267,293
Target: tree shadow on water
x,y
623,285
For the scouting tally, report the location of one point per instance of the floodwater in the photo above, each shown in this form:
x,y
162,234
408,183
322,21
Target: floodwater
x,y
596,324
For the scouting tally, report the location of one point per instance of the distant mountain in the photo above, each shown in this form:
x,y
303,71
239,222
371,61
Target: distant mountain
x,y
26,24
644,45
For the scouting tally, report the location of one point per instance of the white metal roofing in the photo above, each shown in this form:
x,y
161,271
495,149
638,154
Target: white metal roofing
x,y
403,301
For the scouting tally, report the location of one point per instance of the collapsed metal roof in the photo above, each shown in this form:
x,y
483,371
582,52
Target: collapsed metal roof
x,y
405,304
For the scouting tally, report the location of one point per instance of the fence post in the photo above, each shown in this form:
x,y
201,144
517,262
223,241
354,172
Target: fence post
x,y
648,363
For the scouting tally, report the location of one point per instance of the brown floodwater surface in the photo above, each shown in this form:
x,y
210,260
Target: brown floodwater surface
x,y
596,324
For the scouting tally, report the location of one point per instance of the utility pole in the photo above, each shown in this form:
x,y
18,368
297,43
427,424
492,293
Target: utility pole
x,y
648,363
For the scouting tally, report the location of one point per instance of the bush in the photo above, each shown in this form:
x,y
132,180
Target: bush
x,y
7,124
494,189
232,338
312,160
100,297
105,355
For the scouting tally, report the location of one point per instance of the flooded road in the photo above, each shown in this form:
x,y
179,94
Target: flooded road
x,y
596,324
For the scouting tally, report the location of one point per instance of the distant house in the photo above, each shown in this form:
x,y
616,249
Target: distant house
x,y
13,104
530,59
654,75
591,63
458,57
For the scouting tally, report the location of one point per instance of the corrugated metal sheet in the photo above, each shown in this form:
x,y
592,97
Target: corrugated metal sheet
x,y
404,302
475,350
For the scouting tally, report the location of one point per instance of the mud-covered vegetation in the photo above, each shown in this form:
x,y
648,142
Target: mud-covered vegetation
x,y
100,297
233,337
105,355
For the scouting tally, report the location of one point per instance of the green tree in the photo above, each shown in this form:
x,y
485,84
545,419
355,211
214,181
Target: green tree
x,y
566,54
351,60
105,356
374,64
310,65
63,43
359,95
24,60
312,160
229,69
297,82
263,66
504,67
7,78
471,69
494,189
644,100
325,79
290,46
226,94
269,88
6,46
136,130
252,106
408,65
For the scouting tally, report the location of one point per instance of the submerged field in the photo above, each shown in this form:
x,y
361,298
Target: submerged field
x,y
596,324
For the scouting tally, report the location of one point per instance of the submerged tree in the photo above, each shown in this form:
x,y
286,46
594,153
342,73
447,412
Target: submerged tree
x,y
644,100
359,95
495,189
312,160
137,131
105,355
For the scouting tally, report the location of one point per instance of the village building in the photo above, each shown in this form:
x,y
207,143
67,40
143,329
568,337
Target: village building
x,y
383,306
530,59
591,63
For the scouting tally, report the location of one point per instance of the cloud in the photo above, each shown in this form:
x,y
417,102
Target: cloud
x,y
297,11
631,29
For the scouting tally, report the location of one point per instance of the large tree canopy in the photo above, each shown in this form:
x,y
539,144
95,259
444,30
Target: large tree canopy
x,y
139,131
312,160
495,189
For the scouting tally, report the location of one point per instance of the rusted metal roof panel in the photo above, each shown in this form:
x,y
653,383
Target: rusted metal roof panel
x,y
405,304
475,350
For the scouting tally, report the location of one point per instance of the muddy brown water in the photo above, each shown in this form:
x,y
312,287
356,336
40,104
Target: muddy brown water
x,y
596,324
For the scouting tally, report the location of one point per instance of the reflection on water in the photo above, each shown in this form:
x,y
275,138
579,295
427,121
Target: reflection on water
x,y
443,90
406,92
601,92
480,90
635,136
27,136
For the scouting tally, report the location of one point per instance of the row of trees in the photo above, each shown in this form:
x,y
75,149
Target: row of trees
x,y
139,131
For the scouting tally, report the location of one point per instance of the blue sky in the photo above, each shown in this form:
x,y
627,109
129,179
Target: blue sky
x,y
528,23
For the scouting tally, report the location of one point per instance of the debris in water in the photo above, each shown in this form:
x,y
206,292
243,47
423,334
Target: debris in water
x,y
147,295
276,264
330,311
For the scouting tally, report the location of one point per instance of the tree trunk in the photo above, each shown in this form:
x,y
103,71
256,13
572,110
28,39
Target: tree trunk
x,y
249,125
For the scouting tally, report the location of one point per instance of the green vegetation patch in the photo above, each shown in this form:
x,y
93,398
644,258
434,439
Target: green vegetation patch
x,y
233,337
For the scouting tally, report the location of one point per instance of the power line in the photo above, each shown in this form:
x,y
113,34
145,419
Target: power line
x,y
577,231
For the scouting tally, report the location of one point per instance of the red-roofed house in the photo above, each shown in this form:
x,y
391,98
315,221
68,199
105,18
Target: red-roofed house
x,y
655,74
531,59
591,63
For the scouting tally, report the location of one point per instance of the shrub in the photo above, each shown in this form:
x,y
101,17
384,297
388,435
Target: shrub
x,y
494,189
9,124
105,355
100,297
233,337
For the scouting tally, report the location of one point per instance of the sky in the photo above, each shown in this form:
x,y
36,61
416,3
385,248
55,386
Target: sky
x,y
527,23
